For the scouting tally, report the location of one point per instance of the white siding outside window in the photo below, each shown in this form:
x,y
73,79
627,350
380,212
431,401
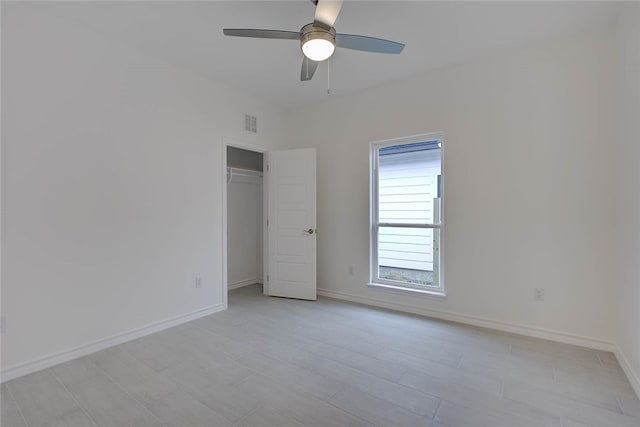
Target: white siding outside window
x,y
406,193
406,221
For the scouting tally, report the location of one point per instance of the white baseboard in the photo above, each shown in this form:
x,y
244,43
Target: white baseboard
x,y
97,345
632,375
515,328
242,283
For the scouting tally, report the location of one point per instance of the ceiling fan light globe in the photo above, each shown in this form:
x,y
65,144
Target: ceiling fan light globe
x,y
318,49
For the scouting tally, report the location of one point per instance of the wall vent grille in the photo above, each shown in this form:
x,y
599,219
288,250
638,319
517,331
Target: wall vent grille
x,y
250,123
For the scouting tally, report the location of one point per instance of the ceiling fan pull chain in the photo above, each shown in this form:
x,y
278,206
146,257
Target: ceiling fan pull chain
x,y
328,79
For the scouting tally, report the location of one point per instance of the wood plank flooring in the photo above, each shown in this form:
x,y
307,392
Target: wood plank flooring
x,y
273,362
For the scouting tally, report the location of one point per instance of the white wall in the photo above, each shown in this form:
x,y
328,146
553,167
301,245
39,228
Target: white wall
x,y
527,188
111,185
628,185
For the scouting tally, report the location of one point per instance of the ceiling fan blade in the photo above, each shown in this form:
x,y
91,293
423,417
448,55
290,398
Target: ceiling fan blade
x,y
262,34
308,69
327,11
368,44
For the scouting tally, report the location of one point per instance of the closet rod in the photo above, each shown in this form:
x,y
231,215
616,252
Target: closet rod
x,y
231,172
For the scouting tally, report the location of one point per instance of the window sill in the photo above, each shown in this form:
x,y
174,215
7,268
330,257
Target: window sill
x,y
440,295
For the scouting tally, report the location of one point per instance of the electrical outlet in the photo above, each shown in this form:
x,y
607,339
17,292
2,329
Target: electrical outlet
x,y
538,294
198,282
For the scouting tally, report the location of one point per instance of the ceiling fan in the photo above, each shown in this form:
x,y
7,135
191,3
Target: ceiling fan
x,y
319,39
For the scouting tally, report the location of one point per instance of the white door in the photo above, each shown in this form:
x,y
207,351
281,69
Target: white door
x,y
291,199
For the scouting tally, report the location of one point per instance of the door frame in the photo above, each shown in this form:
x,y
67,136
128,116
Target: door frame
x,y
229,142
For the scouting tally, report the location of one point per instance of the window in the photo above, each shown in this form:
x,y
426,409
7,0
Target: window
x,y
406,213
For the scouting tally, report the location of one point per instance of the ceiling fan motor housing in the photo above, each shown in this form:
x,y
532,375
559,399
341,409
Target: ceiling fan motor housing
x,y
314,32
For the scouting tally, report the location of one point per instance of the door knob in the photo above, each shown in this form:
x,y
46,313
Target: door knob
x,y
309,231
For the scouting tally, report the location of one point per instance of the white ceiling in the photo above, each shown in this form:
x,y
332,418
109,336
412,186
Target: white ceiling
x,y
189,34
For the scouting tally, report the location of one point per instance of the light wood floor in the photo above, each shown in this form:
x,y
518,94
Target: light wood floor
x,y
277,362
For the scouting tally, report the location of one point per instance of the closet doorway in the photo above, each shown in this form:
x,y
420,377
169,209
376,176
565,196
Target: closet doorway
x,y
245,219
269,220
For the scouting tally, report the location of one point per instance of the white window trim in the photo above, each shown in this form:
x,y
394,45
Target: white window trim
x,y
394,286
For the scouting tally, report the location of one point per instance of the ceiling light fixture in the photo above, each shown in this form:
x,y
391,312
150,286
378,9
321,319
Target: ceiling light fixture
x,y
317,43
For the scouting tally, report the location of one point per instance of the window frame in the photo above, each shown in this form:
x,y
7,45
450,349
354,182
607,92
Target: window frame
x,y
374,226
